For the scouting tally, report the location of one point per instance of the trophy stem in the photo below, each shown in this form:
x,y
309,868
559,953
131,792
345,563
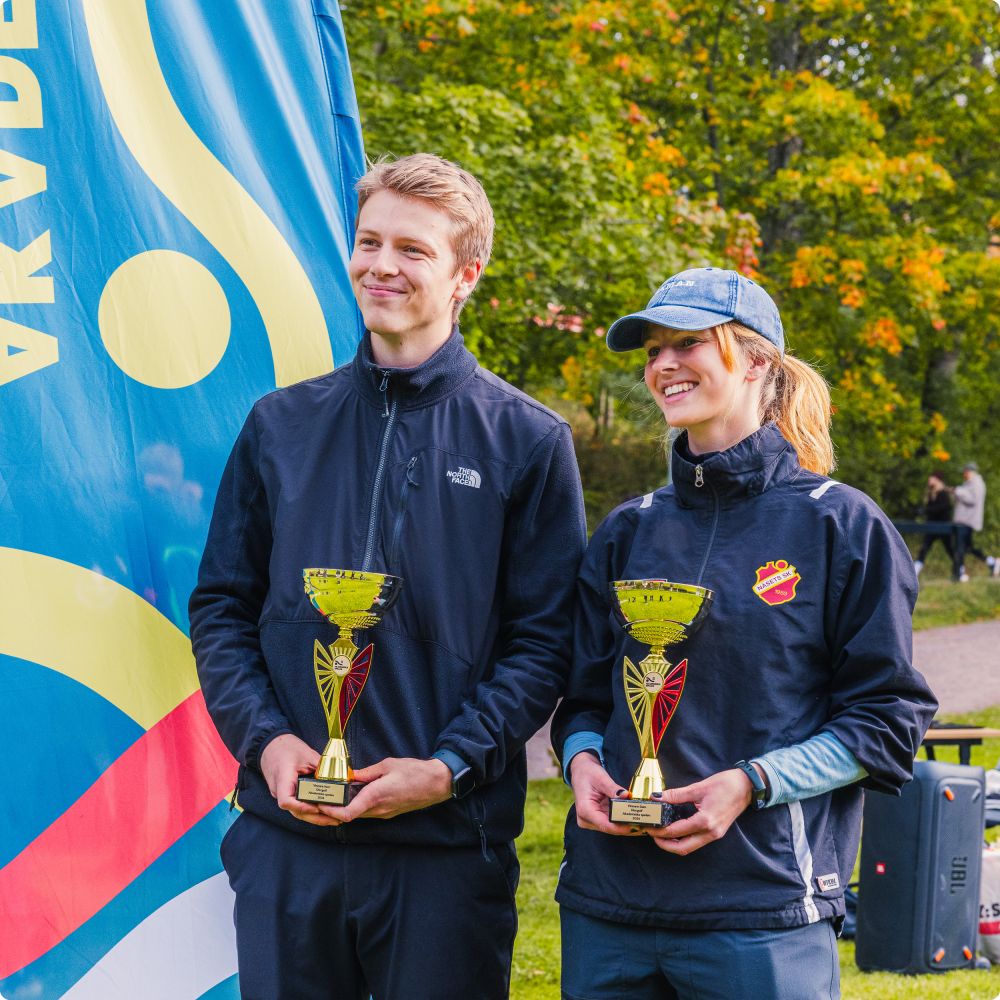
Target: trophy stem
x,y
334,762
647,779
654,662
334,725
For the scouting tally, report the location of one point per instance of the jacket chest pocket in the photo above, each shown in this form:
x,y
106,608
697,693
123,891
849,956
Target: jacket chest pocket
x,y
409,483
444,507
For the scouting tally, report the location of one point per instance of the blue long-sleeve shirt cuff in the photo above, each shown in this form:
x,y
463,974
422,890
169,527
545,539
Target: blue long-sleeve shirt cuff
x,y
577,743
814,767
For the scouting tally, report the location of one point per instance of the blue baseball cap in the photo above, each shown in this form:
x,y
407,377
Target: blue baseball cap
x,y
699,299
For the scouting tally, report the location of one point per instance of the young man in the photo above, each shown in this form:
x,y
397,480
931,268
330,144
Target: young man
x,y
412,460
970,503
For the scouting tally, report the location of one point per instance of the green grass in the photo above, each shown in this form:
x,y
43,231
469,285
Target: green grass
x,y
959,985
943,602
536,953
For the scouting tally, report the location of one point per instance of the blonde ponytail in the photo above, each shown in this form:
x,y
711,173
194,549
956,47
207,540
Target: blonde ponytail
x,y
801,409
794,395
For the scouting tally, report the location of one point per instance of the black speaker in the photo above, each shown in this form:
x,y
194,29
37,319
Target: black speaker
x,y
921,858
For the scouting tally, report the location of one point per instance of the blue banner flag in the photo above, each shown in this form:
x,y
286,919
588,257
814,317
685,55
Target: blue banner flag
x,y
176,216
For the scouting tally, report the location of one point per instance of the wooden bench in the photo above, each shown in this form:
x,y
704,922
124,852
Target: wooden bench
x,y
963,737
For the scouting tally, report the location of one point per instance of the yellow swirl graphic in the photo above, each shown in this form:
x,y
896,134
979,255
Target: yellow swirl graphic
x,y
164,319
201,188
99,633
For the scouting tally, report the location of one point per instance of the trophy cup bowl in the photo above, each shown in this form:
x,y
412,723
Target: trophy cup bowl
x,y
350,600
657,613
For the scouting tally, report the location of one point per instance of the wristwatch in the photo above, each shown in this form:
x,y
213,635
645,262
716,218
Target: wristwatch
x,y
759,799
462,782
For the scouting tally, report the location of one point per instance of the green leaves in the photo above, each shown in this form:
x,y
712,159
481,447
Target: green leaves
x,y
842,153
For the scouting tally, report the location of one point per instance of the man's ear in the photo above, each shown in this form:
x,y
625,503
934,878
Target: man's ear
x,y
468,276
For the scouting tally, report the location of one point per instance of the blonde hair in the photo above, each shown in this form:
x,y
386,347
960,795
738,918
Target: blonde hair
x,y
447,187
793,394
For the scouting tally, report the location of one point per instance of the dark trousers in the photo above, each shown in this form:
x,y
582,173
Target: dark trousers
x,y
929,540
965,545
328,921
602,960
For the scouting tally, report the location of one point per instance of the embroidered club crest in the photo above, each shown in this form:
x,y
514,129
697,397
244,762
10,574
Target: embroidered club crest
x,y
776,582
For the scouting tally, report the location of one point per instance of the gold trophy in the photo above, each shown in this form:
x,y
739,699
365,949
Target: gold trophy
x,y
658,614
350,599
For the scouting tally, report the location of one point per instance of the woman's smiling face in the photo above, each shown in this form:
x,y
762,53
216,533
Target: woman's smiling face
x,y
688,378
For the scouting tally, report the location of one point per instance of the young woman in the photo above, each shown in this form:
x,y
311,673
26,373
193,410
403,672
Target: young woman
x,y
937,508
799,688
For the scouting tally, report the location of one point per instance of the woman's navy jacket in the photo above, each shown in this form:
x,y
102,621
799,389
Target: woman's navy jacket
x,y
825,649
443,475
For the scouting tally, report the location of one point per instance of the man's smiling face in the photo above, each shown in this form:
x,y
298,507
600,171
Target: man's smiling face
x,y
403,270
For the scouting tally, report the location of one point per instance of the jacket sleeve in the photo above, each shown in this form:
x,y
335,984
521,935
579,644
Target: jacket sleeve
x,y
226,604
965,496
880,705
589,700
544,537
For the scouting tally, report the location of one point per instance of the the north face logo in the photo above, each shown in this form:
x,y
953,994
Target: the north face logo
x,y
776,582
465,477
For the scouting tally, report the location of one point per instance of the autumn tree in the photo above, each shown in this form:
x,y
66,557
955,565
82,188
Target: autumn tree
x,y
841,152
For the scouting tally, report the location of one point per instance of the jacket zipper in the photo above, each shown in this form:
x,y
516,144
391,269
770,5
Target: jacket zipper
x,y
384,389
403,499
390,420
478,810
699,481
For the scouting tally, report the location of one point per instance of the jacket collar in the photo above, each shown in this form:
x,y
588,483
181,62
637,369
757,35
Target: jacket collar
x,y
755,464
441,374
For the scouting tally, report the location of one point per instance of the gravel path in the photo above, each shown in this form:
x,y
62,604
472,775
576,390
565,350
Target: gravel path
x,y
961,664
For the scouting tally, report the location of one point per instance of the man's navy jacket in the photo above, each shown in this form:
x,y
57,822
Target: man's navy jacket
x,y
447,477
809,631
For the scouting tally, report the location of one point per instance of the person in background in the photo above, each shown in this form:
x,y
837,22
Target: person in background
x,y
970,503
937,509
798,688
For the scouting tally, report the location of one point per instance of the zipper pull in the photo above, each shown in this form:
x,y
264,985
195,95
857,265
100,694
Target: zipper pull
x,y
409,471
384,389
699,478
236,788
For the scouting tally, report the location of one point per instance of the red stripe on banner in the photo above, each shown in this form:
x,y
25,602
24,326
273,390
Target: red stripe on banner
x,y
989,926
168,780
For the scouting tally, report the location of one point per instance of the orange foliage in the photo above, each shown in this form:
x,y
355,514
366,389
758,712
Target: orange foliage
x,y
851,296
662,152
657,184
810,266
884,334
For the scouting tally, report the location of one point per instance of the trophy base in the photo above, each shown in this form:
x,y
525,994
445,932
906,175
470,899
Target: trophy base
x,y
641,812
318,791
